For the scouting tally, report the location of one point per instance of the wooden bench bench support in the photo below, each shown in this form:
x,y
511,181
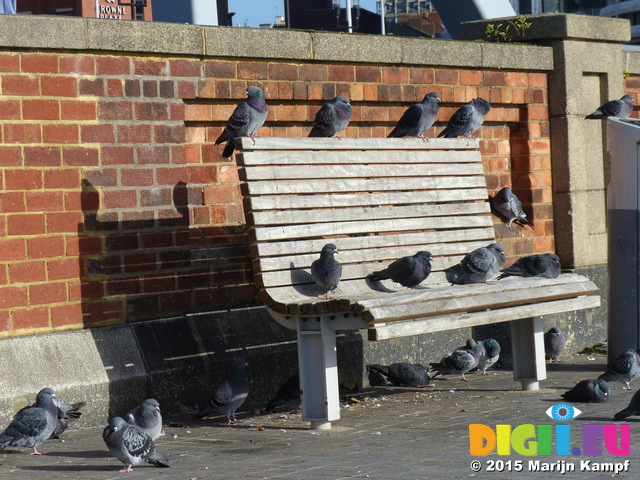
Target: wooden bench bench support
x,y
527,351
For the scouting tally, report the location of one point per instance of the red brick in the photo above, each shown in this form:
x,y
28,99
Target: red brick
x,y
152,111
59,222
146,67
395,75
25,224
9,109
64,269
11,297
59,86
77,65
169,133
128,286
80,156
220,194
495,78
44,201
97,133
156,197
283,71
22,133
137,177
83,246
184,68
517,79
62,315
49,292
538,112
149,88
26,319
105,177
219,69
20,85
78,110
116,155
105,310
115,110
115,87
120,199
153,155
25,179
36,63
446,77
538,80
9,62
65,178
107,65
40,109
27,272
42,157
12,202
134,133
187,90
60,134
95,87
253,70
42,247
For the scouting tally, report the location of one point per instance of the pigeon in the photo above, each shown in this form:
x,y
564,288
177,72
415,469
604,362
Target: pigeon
x,y
147,418
461,360
546,266
403,374
230,394
418,118
625,368
408,271
332,118
288,394
131,445
477,266
245,120
589,391
510,207
489,353
32,425
326,271
67,414
554,343
467,119
631,410
614,109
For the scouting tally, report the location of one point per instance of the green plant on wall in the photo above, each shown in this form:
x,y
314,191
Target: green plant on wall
x,y
507,33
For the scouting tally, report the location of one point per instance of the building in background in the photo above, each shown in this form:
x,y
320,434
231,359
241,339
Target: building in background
x,y
412,18
629,9
112,9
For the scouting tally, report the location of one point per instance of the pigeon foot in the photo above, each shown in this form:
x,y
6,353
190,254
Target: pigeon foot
x,y
126,469
36,452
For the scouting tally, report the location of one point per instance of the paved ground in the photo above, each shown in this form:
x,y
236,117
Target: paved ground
x,y
383,434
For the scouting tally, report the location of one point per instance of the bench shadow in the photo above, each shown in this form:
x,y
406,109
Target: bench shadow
x,y
82,454
303,282
575,367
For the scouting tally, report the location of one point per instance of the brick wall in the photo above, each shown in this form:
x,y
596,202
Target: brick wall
x,y
115,206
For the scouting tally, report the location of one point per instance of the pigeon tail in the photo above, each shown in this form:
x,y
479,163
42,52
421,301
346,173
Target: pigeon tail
x,y
158,459
229,148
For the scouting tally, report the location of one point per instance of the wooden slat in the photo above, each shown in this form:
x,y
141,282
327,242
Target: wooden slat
x,y
294,217
279,143
316,187
467,320
363,199
266,158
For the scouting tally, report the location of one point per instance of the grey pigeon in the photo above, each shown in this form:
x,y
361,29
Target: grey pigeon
x,y
147,418
332,118
403,374
614,109
632,410
68,413
461,360
418,118
510,207
554,343
625,368
408,271
589,391
230,394
131,445
546,266
477,266
32,425
467,119
245,120
489,353
326,270
288,394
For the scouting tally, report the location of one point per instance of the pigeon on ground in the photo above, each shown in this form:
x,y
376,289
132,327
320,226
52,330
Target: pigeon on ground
x,y
546,266
509,206
418,118
32,425
632,410
332,118
461,360
614,109
131,445
147,418
326,271
245,120
403,374
467,119
625,368
68,413
288,394
230,394
589,391
477,266
489,353
554,343
408,271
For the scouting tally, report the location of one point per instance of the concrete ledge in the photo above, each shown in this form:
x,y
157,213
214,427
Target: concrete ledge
x,y
42,32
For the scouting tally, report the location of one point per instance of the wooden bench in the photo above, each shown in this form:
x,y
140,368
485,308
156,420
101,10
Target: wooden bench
x,y
378,200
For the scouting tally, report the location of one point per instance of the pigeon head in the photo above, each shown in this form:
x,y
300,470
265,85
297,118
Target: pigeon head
x,y
254,92
328,250
482,105
627,99
431,97
603,387
555,330
492,345
239,364
153,403
45,396
116,423
341,99
424,255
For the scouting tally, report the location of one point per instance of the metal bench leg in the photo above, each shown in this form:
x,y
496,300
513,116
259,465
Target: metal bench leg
x,y
527,349
318,372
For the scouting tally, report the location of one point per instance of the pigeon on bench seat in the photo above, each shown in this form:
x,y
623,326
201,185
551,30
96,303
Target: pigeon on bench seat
x,y
230,394
546,266
477,266
332,118
418,118
326,270
131,445
467,119
620,109
403,374
408,271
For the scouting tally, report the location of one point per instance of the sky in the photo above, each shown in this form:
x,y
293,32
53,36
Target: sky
x,y
255,12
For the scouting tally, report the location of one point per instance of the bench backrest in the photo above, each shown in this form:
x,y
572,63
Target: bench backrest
x,y
377,199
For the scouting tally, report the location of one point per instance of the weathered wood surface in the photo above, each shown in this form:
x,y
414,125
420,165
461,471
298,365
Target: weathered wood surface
x,y
279,143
